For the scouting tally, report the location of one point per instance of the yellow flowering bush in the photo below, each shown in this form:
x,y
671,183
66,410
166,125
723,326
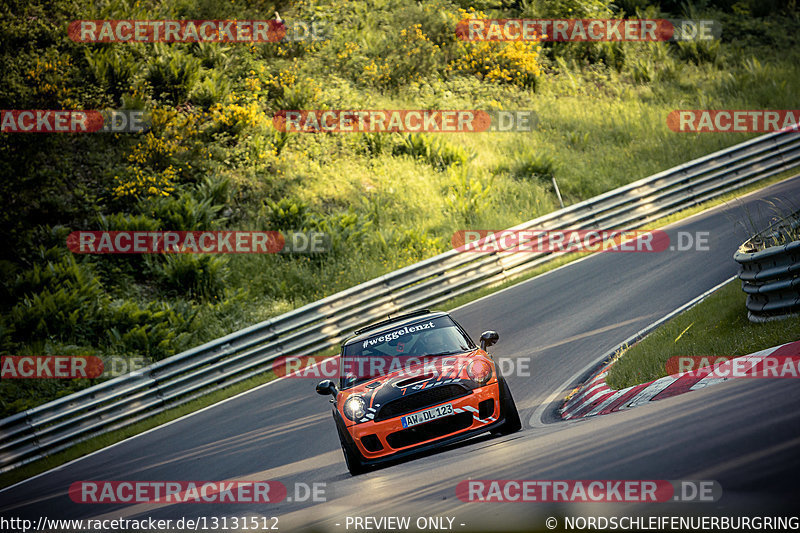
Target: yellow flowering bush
x,y
284,78
237,116
151,170
290,89
142,182
347,51
410,57
513,62
49,77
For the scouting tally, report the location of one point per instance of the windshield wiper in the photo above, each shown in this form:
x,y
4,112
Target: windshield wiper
x,y
447,353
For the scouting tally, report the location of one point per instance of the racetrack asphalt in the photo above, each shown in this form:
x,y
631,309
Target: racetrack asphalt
x,y
744,434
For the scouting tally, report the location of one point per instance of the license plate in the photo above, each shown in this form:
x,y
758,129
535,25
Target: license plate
x,y
427,415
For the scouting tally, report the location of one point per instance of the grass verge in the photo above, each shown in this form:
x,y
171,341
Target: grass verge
x,y
717,326
102,441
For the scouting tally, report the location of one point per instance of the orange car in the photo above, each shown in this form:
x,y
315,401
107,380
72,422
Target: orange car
x,y
416,382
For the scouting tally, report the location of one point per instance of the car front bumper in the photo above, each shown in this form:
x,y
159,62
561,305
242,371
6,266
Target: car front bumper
x,y
396,441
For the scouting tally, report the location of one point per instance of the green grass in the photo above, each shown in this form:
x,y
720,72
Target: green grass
x,y
717,326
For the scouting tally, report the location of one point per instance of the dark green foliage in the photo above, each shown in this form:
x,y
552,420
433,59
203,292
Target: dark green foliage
x,y
433,150
285,214
172,74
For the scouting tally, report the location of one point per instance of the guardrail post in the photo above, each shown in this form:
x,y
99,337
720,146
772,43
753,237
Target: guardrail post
x,y
558,193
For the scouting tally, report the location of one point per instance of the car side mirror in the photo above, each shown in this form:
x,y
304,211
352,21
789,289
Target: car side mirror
x,y
326,387
488,338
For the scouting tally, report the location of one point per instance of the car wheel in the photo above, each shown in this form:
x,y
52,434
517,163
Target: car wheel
x,y
352,457
512,422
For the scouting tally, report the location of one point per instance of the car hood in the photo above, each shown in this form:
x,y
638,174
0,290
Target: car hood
x,y
412,378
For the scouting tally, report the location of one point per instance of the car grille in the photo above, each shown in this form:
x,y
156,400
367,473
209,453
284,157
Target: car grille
x,y
372,443
486,408
420,400
430,430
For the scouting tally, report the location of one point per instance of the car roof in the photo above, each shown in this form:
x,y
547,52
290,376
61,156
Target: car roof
x,y
394,323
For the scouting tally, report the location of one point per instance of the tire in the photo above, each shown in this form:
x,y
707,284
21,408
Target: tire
x,y
352,457
512,422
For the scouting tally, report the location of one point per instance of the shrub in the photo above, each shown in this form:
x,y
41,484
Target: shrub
x,y
151,171
285,214
416,244
539,166
515,63
433,150
211,89
642,70
198,276
377,143
466,195
172,73
698,52
184,213
345,230
154,330
113,68
114,269
138,182
233,118
57,300
410,56
212,55
567,9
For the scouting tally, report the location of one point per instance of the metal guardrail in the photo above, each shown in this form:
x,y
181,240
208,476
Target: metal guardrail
x,y
125,400
771,274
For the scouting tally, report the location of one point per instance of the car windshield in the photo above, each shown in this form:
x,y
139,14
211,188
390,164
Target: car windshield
x,y
389,350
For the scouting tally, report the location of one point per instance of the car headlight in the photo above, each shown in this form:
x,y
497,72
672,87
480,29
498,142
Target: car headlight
x,y
479,371
355,408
